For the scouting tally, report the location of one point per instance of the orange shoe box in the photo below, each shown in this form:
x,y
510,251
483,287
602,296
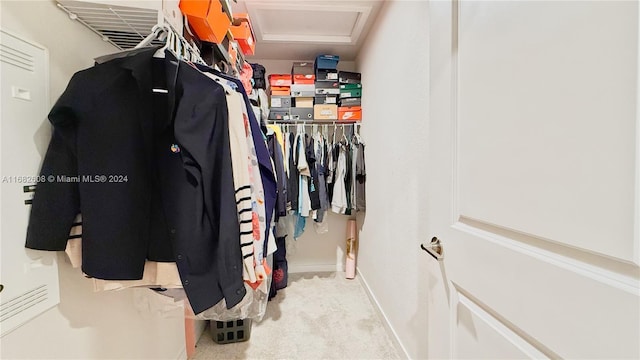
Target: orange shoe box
x,y
243,34
280,90
207,19
303,72
304,79
350,113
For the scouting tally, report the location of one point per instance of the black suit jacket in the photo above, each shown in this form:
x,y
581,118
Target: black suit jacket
x,y
177,203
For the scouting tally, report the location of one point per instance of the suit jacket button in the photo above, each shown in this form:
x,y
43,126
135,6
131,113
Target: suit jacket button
x,y
179,256
239,291
173,231
186,282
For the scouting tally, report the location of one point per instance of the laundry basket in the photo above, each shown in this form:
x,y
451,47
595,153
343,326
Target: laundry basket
x,y
225,332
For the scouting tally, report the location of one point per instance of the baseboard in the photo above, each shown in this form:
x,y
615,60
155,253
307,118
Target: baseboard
x,y
293,268
200,327
183,354
394,336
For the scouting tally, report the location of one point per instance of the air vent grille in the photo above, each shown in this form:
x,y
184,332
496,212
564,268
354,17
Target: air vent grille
x,y
20,303
122,26
15,57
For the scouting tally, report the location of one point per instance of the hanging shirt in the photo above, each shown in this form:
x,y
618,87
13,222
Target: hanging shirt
x,y
294,175
314,191
258,212
361,178
286,151
267,173
347,177
278,157
322,186
352,193
304,201
339,201
242,181
334,150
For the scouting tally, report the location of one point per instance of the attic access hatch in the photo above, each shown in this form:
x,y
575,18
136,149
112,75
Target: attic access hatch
x,y
287,22
123,26
299,29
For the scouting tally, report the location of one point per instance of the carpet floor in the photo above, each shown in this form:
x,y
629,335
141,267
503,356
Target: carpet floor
x,y
317,316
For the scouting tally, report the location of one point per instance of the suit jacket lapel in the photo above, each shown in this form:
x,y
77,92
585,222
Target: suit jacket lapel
x,y
171,69
141,70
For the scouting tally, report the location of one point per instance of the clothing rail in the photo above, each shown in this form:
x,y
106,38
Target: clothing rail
x,y
347,127
174,42
315,122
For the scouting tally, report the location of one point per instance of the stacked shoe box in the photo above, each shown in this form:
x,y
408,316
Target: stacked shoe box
x,y
350,105
302,90
327,89
280,97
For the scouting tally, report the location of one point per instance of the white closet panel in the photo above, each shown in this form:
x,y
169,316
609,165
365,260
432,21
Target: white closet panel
x,y
29,278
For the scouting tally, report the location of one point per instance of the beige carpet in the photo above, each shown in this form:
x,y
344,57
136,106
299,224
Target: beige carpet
x,y
318,316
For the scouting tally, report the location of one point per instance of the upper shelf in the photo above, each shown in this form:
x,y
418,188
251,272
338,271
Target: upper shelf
x,y
123,23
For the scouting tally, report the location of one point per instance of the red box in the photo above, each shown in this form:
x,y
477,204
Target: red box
x,y
304,79
349,113
280,80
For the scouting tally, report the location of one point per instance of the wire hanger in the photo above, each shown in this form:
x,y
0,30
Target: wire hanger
x,y
173,42
344,135
155,33
356,133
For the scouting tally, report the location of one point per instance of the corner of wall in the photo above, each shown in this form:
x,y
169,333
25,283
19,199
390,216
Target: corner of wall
x,y
385,320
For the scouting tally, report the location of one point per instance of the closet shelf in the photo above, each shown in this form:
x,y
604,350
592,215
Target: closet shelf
x,y
123,26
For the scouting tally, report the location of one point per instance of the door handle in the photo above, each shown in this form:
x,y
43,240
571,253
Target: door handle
x,y
434,248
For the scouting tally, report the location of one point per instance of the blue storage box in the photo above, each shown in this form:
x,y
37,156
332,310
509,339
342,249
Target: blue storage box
x,y
327,62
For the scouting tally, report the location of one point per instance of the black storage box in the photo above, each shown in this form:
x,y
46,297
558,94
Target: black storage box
x,y
302,68
348,77
354,101
327,87
326,99
225,332
279,114
301,113
326,75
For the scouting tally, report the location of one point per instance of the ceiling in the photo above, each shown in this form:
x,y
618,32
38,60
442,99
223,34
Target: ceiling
x,y
302,29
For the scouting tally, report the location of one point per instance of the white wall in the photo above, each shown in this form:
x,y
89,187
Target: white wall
x,y
394,66
312,251
85,325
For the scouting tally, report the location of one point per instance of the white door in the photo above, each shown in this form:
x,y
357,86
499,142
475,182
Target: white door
x,y
534,179
28,278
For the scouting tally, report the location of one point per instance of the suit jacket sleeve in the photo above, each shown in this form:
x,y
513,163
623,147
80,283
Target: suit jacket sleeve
x,y
56,201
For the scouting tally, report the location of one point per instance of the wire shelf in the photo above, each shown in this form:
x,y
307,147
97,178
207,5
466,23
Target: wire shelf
x,y
122,26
